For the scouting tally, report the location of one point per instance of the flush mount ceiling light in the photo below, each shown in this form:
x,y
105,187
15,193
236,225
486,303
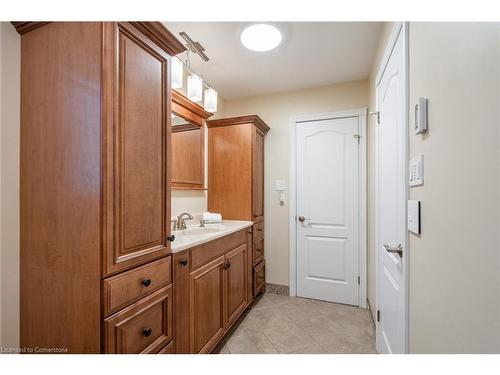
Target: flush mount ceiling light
x,y
261,37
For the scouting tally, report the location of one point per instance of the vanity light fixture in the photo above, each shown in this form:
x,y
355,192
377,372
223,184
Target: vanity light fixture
x,y
210,103
194,88
261,37
177,73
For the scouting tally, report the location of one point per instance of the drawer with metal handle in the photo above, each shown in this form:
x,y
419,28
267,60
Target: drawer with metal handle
x,y
143,327
121,290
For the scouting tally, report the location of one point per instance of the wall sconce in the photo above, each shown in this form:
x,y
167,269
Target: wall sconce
x,y
177,73
210,104
194,88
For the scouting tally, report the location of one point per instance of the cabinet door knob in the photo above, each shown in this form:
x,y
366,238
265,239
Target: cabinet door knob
x,y
171,238
147,332
183,262
146,282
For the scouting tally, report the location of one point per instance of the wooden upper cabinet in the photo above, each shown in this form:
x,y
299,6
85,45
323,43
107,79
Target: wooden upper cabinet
x,y
188,143
138,156
236,167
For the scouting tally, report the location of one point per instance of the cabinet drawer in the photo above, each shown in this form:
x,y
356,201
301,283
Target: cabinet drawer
x,y
258,251
259,278
144,327
127,287
202,254
258,230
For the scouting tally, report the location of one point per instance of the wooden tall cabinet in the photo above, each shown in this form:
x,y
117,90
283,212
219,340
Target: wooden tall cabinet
x,y
236,179
95,186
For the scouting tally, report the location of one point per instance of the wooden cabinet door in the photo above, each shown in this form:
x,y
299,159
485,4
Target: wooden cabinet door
x,y
258,175
137,171
206,309
236,283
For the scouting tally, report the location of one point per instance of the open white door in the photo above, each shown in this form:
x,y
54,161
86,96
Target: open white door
x,y
391,199
328,214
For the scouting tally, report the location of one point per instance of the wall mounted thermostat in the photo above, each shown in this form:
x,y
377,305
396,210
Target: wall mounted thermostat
x,y
414,216
421,116
416,171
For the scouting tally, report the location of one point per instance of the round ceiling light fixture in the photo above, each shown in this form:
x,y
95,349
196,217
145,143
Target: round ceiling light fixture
x,y
261,37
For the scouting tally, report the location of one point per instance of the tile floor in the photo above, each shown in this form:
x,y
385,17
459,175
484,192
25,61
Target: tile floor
x,y
282,324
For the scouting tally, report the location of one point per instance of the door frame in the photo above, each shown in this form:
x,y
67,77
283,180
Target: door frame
x,y
361,114
398,28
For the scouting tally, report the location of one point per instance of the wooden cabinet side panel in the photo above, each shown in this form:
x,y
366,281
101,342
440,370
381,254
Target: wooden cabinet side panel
x,y
258,175
60,187
230,171
180,267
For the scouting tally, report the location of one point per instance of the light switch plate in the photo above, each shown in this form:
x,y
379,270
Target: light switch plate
x,y
414,216
416,171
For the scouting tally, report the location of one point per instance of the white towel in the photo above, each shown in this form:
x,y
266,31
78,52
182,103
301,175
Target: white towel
x,y
212,217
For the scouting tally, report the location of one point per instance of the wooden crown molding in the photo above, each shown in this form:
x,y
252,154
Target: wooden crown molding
x,y
24,27
188,110
155,31
184,127
159,34
254,119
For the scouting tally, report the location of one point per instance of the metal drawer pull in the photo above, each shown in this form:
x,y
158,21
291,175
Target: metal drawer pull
x,y
398,250
183,262
147,332
146,282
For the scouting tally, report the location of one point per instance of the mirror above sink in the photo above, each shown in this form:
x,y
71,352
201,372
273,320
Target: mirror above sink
x,y
188,143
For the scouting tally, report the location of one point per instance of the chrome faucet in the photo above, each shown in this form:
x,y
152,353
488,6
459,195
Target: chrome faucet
x,y
180,222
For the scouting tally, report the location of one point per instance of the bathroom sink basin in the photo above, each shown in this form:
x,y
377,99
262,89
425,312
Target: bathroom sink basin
x,y
201,231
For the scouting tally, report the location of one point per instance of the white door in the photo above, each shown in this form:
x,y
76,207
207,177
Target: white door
x,y
391,164
328,210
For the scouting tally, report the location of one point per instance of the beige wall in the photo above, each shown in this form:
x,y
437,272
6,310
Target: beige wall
x,y
276,111
9,160
370,180
455,263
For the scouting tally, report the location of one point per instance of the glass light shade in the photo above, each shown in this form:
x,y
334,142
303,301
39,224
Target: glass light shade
x,y
177,73
194,88
210,103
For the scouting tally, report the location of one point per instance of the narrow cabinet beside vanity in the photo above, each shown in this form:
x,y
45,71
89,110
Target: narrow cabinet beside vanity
x,y
236,180
96,271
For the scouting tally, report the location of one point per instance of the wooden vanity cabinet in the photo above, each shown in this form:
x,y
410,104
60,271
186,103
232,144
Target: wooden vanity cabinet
x,y
210,291
236,178
95,192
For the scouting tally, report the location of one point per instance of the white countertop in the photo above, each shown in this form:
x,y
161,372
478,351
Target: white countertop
x,y
195,235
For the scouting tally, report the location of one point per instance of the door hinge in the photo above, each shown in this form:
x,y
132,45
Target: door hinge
x,y
378,315
376,114
359,280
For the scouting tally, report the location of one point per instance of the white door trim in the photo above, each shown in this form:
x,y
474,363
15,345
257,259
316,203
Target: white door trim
x,y
399,27
361,114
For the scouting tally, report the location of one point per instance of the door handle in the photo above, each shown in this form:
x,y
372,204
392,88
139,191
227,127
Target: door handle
x,y
302,219
398,250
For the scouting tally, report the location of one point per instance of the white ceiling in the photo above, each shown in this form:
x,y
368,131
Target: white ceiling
x,y
310,54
